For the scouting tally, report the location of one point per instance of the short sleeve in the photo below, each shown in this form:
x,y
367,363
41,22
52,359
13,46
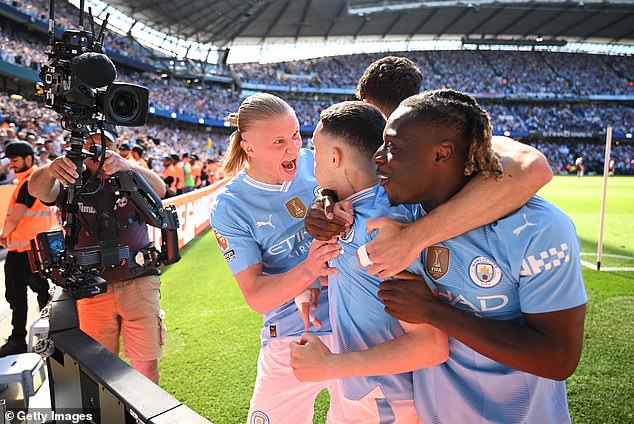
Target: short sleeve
x,y
234,237
550,277
24,197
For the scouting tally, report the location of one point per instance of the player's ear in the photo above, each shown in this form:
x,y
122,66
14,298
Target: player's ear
x,y
443,151
336,157
247,147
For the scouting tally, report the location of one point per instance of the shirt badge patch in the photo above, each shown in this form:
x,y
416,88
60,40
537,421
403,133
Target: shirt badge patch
x,y
484,272
296,208
437,261
259,417
230,255
222,241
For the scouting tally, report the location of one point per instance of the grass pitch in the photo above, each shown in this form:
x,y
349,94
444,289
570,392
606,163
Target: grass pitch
x,y
210,356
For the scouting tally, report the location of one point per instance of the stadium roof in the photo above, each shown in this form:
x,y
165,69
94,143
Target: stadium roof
x,y
227,22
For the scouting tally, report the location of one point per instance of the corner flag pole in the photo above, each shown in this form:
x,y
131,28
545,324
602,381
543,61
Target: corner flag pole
x,y
606,172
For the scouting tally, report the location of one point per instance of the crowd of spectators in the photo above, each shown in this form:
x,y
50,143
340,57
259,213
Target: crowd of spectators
x,y
17,50
29,121
67,16
484,72
481,71
478,72
562,157
583,119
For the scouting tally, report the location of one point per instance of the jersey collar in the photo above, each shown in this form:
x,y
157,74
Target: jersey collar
x,y
367,193
268,187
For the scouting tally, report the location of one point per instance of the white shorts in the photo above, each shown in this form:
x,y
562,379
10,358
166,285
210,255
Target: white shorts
x,y
373,409
278,397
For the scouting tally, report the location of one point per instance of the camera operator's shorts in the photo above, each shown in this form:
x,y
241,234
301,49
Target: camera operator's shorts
x,y
130,308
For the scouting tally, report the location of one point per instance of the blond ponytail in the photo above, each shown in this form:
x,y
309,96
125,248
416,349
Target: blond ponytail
x,y
235,157
258,107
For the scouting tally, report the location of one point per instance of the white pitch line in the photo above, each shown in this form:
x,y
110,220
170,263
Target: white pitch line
x,y
216,311
608,255
607,269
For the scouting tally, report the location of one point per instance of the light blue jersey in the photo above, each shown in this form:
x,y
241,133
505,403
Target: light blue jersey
x,y
358,319
526,263
263,223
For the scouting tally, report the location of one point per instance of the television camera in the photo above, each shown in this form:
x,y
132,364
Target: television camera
x,y
78,83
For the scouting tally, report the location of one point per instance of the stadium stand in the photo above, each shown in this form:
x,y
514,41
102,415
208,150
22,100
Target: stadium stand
x,y
541,97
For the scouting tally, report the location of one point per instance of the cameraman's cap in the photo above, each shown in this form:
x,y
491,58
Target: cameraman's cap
x,y
18,148
109,130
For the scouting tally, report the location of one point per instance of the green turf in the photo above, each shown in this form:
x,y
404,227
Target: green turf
x,y
213,337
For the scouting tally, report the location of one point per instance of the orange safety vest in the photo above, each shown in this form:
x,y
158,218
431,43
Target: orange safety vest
x,y
197,169
37,219
180,173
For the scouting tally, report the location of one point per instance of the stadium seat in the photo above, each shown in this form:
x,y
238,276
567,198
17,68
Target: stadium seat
x,y
21,369
38,329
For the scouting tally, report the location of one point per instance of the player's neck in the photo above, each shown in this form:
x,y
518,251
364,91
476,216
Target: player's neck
x,y
353,180
440,193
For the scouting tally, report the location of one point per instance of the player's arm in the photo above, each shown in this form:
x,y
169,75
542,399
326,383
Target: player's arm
x,y
552,300
548,345
420,347
264,293
480,202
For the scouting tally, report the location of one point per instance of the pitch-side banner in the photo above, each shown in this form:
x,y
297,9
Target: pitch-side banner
x,y
193,213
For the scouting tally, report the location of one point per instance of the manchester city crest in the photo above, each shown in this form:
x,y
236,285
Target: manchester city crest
x,y
259,417
484,272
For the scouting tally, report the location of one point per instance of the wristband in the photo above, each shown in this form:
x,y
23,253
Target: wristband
x,y
362,254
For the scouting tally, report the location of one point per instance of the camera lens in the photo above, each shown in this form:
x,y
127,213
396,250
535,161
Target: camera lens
x,y
123,104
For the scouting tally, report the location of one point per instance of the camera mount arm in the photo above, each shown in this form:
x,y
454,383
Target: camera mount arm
x,y
149,205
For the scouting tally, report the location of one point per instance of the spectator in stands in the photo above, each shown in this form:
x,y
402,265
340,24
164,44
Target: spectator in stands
x,y
188,180
125,151
179,168
169,173
196,169
137,155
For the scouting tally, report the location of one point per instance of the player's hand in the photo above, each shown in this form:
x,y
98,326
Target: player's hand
x,y
310,359
326,219
392,250
307,302
3,241
115,163
319,253
408,298
63,170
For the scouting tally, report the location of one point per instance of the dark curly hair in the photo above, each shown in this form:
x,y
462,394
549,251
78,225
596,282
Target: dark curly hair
x,y
460,112
388,81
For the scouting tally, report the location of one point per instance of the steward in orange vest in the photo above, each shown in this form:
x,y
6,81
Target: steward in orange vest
x,y
26,217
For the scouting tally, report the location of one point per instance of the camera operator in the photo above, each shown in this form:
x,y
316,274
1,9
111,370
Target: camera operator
x,y
130,307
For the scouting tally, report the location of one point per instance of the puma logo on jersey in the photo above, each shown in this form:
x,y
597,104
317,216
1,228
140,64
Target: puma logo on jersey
x,y
265,223
521,228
